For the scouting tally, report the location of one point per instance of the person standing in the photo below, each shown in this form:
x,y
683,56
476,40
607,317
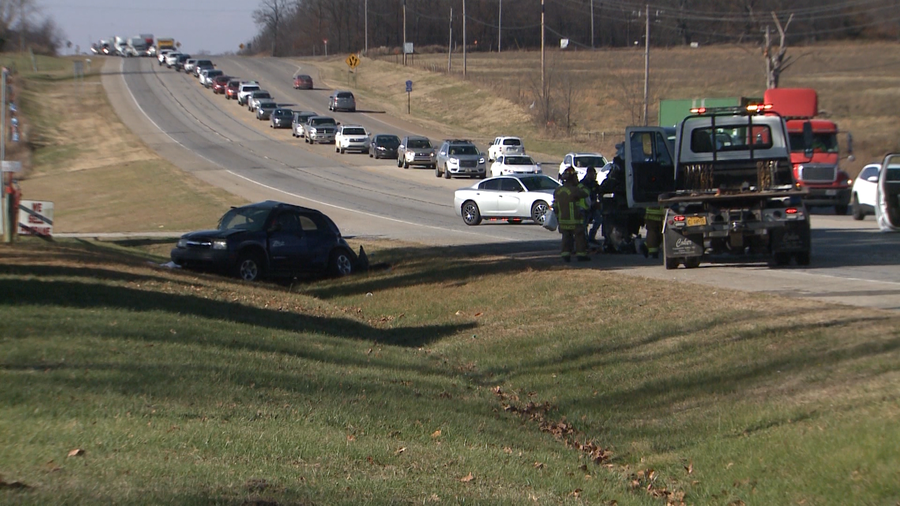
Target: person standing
x,y
570,206
653,221
592,215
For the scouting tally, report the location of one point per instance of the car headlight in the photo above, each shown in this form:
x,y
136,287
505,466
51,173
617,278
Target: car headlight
x,y
219,244
431,154
453,161
182,243
481,161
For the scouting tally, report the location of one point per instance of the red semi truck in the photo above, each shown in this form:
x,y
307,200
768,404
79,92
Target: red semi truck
x,y
815,152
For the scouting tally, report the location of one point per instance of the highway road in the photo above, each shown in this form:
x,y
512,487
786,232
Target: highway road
x,y
224,145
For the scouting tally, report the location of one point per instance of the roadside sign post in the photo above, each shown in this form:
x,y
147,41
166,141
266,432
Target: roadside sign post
x,y
352,61
408,92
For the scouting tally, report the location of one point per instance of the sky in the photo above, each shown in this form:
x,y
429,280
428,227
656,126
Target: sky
x,y
214,26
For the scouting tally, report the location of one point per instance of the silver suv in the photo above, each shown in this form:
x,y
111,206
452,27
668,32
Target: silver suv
x,y
254,98
458,157
342,100
415,150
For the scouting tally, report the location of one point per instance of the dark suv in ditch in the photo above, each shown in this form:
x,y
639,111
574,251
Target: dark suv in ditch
x,y
270,239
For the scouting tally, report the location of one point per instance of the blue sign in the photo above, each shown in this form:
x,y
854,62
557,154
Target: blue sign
x,y
408,86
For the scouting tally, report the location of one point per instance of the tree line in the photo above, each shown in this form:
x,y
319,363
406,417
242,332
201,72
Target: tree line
x,y
311,27
22,27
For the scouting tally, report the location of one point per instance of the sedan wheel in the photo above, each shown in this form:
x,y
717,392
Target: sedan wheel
x,y
538,210
470,213
340,264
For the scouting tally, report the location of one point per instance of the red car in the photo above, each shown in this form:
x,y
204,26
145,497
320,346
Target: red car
x,y
303,82
231,89
218,84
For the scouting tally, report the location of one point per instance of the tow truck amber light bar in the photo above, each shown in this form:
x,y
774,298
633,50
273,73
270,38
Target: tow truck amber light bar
x,y
751,108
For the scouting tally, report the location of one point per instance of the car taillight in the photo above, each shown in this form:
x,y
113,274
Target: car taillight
x,y
790,210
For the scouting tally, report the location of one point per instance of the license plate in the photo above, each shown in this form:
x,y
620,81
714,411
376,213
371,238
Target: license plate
x,y
831,193
696,221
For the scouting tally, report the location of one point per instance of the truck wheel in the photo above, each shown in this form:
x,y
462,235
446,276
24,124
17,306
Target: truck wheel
x,y
691,262
858,213
782,259
840,210
671,263
802,258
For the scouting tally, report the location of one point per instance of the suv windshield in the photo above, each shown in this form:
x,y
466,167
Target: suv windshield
x,y
463,150
354,131
345,94
419,144
244,218
590,161
519,160
321,121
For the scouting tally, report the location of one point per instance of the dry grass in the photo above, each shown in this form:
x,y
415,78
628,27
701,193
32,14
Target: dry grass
x,y
857,85
100,176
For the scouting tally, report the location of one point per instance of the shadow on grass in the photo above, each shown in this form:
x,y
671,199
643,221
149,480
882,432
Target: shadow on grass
x,y
76,295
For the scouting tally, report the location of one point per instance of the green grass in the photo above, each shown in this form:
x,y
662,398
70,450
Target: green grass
x,y
392,387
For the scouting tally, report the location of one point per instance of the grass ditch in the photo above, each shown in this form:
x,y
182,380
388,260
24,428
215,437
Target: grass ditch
x,y
471,379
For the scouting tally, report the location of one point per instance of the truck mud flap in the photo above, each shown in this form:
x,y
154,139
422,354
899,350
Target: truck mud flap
x,y
793,237
678,245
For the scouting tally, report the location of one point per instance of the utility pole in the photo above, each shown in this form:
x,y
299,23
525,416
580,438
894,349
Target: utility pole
x,y
450,45
768,60
500,25
464,39
404,32
366,14
543,36
647,65
592,24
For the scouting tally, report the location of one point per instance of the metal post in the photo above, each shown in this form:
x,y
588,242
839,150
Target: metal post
x,y
450,45
366,13
499,26
592,24
543,71
7,235
464,39
647,66
404,32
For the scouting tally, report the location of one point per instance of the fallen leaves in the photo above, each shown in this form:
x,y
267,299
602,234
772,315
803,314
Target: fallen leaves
x,y
467,478
436,434
77,452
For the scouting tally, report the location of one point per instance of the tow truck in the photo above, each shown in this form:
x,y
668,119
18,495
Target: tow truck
x,y
726,184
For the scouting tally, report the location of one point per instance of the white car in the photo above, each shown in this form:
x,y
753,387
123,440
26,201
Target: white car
x,y
161,56
505,146
254,98
862,195
506,165
171,58
189,65
207,76
510,198
581,161
351,138
245,90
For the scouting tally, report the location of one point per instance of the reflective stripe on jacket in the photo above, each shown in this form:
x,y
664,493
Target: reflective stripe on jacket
x,y
654,214
570,203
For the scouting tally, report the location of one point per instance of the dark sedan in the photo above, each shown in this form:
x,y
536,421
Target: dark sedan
x,y
384,146
281,118
270,239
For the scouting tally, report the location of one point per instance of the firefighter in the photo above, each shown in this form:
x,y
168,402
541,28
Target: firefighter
x,y
653,221
570,206
592,216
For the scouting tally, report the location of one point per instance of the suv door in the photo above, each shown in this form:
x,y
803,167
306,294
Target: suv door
x,y
287,244
649,166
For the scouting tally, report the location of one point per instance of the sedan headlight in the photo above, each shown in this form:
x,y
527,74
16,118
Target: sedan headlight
x,y
182,243
219,244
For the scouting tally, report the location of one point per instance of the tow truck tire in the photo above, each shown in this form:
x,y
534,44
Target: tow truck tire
x,y
802,258
691,262
671,263
840,210
782,259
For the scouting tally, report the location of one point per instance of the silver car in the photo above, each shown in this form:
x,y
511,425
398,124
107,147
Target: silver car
x,y
265,108
300,119
459,158
415,150
342,101
281,118
254,98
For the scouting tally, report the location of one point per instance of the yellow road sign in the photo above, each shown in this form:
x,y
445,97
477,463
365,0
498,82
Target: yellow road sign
x,y
352,61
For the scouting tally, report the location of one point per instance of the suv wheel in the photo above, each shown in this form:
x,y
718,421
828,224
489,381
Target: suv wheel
x,y
437,171
405,164
340,264
447,172
399,161
250,267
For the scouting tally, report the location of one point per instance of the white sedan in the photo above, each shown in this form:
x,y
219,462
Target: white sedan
x,y
510,198
862,196
506,165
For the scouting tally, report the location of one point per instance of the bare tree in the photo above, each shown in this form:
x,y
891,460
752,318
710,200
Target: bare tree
x,y
776,62
269,16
